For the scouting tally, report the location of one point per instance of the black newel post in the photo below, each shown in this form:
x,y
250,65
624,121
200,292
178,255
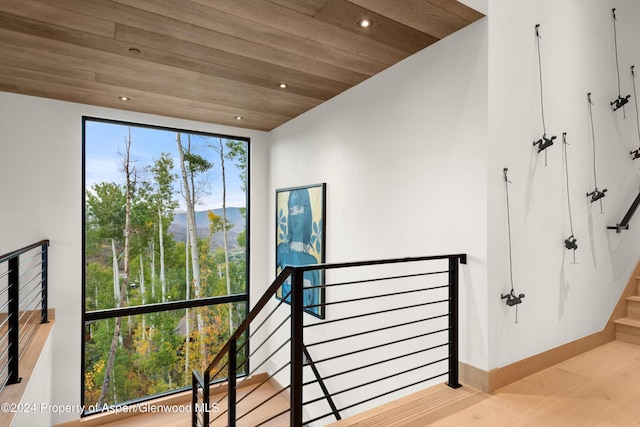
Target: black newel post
x,y
453,323
45,283
231,396
14,319
296,348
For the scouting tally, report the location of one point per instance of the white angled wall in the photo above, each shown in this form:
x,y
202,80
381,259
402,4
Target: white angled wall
x,y
404,157
564,301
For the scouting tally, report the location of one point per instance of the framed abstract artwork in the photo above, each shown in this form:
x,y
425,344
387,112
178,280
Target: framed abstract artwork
x,y
300,231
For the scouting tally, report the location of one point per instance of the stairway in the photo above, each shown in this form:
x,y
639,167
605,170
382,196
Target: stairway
x,y
628,328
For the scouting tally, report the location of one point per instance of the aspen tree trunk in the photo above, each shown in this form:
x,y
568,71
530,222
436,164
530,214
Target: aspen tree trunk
x,y
189,196
224,235
152,249
125,282
163,282
144,298
116,272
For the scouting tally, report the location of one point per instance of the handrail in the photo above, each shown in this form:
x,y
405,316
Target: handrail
x,y
18,331
109,313
624,224
266,297
298,349
20,251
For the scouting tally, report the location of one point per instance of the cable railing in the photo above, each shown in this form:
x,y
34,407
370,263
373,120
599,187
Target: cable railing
x,y
390,328
23,305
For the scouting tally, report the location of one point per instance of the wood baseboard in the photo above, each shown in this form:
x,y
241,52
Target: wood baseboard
x,y
500,377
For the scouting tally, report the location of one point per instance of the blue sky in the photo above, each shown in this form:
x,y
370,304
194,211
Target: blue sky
x,y
104,146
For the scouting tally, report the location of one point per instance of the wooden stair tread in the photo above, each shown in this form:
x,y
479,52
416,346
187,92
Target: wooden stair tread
x,y
634,298
629,321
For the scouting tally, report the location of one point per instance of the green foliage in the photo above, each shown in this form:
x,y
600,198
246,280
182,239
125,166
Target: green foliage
x,y
196,163
105,211
150,356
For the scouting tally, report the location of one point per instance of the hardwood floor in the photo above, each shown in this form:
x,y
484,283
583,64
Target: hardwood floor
x,y
598,388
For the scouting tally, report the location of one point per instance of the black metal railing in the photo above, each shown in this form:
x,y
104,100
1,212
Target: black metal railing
x,y
23,304
624,224
391,328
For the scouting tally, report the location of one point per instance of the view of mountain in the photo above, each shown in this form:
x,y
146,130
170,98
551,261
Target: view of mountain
x,y
178,227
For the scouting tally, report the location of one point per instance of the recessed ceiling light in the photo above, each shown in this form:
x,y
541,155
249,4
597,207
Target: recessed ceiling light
x,y
134,50
365,23
239,117
124,98
283,85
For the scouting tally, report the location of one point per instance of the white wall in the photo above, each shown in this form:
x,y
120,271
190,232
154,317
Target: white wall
x,y
564,301
413,161
404,158
41,198
38,393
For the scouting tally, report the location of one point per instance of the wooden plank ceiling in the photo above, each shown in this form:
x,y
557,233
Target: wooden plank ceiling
x,y
212,60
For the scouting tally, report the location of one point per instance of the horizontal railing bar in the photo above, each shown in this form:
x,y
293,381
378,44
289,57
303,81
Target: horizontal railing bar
x,y
26,273
26,260
5,369
23,298
263,402
37,286
266,297
311,267
263,362
28,321
415,368
6,273
6,304
161,306
377,396
344,301
4,353
380,362
25,339
4,336
276,394
380,279
266,359
273,417
269,336
20,251
264,321
375,313
27,309
384,328
380,346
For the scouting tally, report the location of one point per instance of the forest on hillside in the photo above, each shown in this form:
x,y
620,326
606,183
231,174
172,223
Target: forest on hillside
x,y
132,259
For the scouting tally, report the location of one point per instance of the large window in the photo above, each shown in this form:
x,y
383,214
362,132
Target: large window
x,y
165,256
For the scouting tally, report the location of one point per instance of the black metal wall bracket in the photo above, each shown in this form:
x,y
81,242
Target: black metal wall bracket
x,y
624,224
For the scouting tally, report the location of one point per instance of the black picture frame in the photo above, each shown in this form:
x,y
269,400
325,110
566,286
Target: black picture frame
x,y
300,240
